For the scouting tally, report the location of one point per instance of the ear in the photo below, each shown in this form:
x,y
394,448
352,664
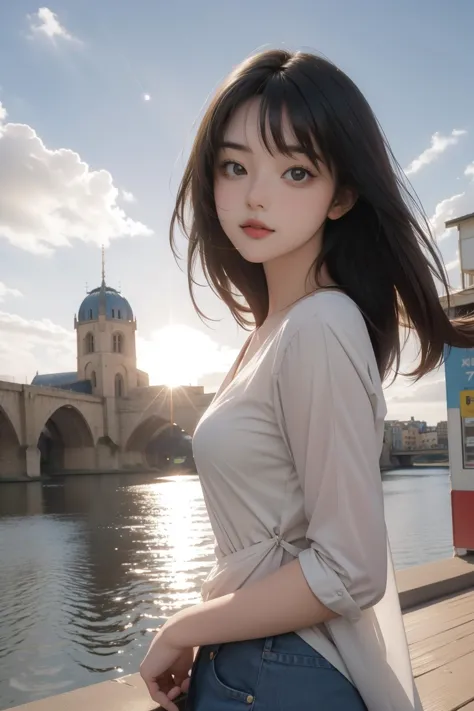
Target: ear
x,y
344,201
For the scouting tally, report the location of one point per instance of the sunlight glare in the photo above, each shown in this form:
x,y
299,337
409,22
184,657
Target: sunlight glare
x,y
179,355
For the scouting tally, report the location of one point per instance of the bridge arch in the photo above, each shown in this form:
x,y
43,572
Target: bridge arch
x,y
145,431
155,441
66,442
12,460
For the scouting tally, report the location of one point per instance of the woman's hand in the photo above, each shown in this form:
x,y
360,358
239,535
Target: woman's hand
x,y
165,670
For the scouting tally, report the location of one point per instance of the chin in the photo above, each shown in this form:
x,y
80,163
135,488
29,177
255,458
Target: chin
x,y
256,256
258,251
253,258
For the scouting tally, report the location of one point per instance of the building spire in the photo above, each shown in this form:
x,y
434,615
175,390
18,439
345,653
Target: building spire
x,y
102,304
103,265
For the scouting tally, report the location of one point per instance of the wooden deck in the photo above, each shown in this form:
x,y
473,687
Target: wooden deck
x,y
441,639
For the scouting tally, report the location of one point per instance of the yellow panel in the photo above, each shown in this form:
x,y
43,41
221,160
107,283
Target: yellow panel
x,y
467,403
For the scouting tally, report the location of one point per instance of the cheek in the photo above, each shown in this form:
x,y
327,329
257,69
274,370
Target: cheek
x,y
305,210
224,196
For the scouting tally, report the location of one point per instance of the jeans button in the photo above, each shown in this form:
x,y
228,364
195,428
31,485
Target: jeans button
x,y
211,656
249,699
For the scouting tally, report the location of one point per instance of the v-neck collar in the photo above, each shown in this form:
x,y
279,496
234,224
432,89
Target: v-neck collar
x,y
235,370
232,373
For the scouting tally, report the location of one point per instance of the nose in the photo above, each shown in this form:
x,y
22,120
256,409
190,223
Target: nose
x,y
257,194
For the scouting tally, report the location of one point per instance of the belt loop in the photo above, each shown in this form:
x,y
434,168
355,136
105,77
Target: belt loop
x,y
267,647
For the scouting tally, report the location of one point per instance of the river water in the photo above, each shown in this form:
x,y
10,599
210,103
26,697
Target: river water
x,y
91,565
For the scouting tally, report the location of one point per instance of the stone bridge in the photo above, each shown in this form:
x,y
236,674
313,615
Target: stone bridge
x,y
44,429
405,458
391,458
149,410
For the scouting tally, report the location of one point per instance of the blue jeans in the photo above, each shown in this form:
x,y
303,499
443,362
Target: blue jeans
x,y
281,673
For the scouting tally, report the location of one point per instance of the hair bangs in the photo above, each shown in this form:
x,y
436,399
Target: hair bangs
x,y
283,99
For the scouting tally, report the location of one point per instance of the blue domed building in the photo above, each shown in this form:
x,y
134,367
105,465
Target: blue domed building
x,y
110,301
106,349
126,424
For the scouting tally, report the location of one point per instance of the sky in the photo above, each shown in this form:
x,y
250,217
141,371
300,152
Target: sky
x,y
99,103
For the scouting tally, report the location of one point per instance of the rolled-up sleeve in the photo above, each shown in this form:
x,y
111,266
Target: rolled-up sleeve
x,y
327,420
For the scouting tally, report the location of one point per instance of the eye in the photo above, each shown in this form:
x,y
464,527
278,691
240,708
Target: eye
x,y
231,169
298,175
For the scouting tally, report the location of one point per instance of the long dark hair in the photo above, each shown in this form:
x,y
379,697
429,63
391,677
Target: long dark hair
x,y
381,253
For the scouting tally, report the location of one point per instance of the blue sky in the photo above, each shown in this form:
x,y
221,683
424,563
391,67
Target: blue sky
x,y
101,102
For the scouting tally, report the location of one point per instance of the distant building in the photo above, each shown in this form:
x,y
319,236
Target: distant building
x,y
397,441
442,430
429,439
420,425
393,434
410,437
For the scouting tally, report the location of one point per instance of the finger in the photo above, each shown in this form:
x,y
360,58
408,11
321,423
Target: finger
x,y
164,702
160,697
185,685
174,693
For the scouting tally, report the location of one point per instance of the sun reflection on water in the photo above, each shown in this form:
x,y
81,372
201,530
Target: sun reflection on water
x,y
178,546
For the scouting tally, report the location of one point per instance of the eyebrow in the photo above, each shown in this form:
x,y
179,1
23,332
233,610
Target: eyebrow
x,y
290,149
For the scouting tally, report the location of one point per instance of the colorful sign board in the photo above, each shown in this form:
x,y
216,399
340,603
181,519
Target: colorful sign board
x,y
459,369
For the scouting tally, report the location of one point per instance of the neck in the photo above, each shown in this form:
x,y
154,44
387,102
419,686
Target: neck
x,y
291,276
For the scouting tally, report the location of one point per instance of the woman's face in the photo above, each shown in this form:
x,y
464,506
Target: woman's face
x,y
289,195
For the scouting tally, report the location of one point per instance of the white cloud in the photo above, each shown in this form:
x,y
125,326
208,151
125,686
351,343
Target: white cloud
x,y
128,196
6,291
45,22
28,345
50,197
439,144
44,328
470,170
429,390
446,210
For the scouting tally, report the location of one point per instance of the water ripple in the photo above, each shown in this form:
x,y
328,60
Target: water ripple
x,y
93,565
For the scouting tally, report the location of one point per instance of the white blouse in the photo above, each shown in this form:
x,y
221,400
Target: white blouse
x,y
288,457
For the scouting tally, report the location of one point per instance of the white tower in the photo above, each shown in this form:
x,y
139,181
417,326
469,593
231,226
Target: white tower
x,y
106,353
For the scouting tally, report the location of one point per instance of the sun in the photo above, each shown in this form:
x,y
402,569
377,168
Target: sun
x,y
174,355
178,355
174,375
173,363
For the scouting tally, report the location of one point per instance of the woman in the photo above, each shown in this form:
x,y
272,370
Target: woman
x,y
291,200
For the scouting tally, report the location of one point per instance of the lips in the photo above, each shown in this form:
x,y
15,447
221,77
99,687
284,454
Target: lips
x,y
256,229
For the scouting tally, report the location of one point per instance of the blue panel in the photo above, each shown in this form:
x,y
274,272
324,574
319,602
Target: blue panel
x,y
459,369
